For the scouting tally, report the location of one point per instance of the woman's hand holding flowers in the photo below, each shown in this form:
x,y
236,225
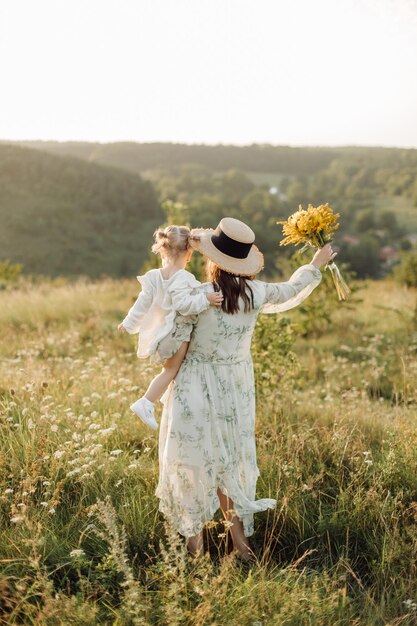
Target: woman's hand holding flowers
x,y
314,227
323,256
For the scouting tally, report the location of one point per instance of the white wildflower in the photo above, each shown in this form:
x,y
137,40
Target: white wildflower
x,y
410,604
77,554
73,472
106,431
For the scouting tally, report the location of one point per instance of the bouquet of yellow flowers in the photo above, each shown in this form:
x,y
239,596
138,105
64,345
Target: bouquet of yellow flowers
x,y
314,228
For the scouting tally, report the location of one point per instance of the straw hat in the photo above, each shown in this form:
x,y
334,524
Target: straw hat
x,y
230,246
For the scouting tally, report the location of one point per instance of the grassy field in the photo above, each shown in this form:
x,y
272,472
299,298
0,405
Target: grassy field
x,y
81,538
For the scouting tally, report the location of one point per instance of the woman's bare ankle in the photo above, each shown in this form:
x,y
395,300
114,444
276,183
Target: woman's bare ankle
x,y
195,546
243,548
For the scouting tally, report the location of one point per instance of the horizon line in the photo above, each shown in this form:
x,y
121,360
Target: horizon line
x,y
209,144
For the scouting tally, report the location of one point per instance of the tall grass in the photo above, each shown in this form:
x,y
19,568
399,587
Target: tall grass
x,y
82,541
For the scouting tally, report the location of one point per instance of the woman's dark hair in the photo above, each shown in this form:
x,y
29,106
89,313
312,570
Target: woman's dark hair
x,y
233,287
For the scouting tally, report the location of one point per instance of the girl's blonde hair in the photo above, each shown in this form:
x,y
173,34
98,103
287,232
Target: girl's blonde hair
x,y
172,241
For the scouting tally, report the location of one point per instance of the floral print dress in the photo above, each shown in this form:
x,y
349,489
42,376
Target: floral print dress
x,y
207,430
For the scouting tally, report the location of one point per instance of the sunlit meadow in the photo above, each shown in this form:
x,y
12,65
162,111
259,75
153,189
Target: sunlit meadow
x,y
82,541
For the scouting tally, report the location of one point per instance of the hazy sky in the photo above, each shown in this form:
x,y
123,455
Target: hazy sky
x,y
298,72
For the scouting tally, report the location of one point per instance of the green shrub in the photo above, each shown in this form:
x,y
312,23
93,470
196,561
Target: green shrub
x,y
406,271
9,272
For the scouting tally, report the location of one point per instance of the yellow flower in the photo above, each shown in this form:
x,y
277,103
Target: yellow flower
x,y
313,225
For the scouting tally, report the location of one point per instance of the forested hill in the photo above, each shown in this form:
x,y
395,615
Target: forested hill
x,y
261,158
139,157
61,215
90,208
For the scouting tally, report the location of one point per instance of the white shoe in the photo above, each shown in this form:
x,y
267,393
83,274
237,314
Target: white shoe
x,y
144,409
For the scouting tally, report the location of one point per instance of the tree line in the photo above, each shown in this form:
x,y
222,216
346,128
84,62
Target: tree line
x,y
62,214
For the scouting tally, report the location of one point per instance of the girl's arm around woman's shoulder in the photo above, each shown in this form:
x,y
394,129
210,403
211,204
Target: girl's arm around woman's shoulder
x,y
286,295
132,321
187,295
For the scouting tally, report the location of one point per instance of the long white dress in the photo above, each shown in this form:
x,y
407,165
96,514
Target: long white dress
x,y
207,429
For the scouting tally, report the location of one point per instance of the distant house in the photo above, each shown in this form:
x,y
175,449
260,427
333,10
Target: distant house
x,y
388,255
274,191
350,239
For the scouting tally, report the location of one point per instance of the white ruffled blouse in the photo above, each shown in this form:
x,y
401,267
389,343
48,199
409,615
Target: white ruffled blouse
x,y
153,313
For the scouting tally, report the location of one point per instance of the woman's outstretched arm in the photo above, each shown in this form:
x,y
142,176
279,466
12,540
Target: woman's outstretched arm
x,y
286,295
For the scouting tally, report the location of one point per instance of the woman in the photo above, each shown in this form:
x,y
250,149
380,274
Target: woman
x,y
207,453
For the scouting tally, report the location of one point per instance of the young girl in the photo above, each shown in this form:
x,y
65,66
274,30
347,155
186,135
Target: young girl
x,y
163,313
